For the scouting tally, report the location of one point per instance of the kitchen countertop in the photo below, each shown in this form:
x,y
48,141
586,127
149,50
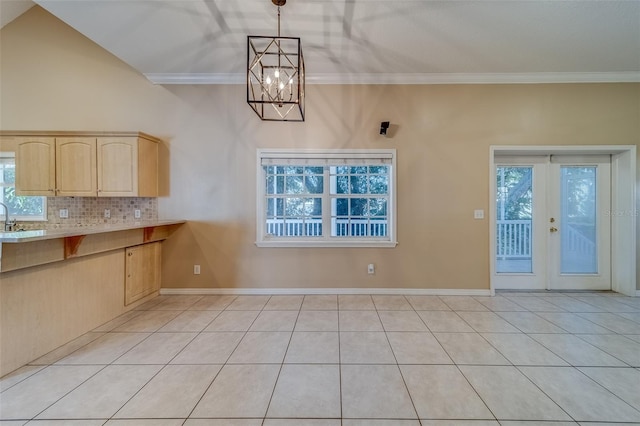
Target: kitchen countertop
x,y
72,231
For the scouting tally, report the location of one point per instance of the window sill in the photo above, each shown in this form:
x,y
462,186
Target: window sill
x,y
335,244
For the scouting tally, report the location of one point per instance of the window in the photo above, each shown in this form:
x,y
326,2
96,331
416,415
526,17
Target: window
x,y
331,198
20,207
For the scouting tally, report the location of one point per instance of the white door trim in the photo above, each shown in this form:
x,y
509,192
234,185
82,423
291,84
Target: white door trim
x,y
623,205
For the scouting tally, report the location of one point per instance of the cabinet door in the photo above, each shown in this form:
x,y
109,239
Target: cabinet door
x,y
117,167
76,167
35,166
142,269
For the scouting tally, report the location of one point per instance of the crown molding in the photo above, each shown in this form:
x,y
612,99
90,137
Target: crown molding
x,y
411,78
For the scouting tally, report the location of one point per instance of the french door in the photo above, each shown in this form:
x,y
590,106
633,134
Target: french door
x,y
552,222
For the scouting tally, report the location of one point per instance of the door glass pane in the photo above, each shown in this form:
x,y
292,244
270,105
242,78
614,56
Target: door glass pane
x,y
578,242
514,207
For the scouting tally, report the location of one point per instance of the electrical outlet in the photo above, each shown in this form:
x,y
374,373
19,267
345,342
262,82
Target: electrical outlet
x,y
371,269
107,213
64,213
478,214
196,269
136,214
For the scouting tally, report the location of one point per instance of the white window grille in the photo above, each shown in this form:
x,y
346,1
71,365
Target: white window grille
x,y
326,198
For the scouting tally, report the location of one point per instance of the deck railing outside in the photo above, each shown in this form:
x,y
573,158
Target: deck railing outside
x,y
576,243
313,227
514,240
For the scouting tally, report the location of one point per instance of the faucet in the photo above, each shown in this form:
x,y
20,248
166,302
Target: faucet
x,y
8,224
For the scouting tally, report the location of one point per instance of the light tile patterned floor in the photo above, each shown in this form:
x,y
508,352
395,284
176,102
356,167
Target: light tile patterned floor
x,y
351,360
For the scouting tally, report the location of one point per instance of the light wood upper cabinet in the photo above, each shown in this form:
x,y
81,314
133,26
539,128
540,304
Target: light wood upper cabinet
x,y
76,167
35,166
127,167
117,170
142,271
86,164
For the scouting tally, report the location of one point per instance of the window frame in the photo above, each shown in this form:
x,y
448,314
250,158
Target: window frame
x,y
41,218
339,157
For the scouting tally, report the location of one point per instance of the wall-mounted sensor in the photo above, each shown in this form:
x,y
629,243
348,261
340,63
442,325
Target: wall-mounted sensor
x,y
383,128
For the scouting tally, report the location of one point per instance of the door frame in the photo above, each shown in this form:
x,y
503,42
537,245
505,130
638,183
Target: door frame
x,y
623,205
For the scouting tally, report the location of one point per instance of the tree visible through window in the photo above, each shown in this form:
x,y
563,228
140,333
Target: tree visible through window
x,y
359,201
20,207
294,200
336,197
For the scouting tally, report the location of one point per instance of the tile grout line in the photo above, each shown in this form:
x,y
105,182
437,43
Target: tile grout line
x,y
160,369
404,382
544,393
605,388
284,356
454,363
626,364
104,366
230,354
163,365
74,388
546,347
54,363
433,334
593,322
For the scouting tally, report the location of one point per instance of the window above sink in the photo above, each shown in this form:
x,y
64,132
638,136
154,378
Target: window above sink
x,y
21,208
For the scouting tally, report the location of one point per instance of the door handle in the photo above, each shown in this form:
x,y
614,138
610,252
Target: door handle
x,y
553,229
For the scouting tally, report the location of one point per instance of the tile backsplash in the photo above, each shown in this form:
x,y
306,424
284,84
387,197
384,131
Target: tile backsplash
x,y
87,211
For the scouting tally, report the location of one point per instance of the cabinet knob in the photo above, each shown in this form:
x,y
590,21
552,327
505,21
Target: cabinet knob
x,y
130,254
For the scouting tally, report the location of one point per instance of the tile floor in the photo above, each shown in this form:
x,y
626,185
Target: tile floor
x,y
515,359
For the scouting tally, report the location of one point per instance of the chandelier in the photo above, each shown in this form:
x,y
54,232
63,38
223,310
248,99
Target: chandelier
x,y
275,76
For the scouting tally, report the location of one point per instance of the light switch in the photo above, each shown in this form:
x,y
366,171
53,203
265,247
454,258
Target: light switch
x,y
478,214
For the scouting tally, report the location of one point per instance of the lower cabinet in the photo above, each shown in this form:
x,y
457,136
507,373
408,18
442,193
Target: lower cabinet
x,y
142,271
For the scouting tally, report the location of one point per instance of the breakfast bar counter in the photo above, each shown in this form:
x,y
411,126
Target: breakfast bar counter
x,y
23,249
56,285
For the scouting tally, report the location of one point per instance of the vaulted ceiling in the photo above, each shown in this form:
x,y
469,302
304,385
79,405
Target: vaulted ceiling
x,y
367,41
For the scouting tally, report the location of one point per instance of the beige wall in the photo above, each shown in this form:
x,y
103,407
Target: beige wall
x,y
54,78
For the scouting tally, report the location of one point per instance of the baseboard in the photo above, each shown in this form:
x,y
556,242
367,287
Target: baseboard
x,y
637,293
279,291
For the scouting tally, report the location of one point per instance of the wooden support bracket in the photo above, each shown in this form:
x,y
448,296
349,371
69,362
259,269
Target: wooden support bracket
x,y
71,245
148,234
